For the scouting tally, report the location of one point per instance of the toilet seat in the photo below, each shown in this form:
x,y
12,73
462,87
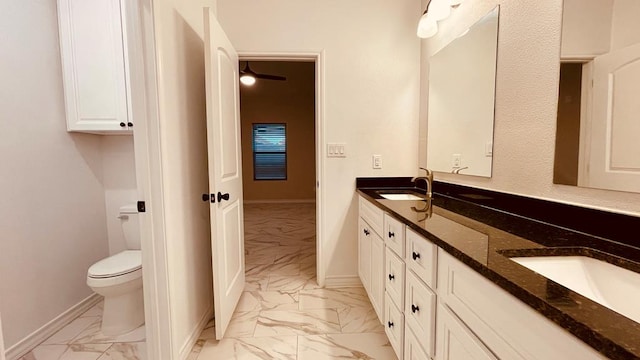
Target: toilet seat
x,y
123,263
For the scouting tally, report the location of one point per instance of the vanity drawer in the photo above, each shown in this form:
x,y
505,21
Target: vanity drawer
x,y
421,257
373,215
412,348
420,311
394,278
394,326
394,235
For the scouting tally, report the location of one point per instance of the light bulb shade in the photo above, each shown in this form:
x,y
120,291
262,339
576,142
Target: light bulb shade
x,y
247,79
427,26
439,9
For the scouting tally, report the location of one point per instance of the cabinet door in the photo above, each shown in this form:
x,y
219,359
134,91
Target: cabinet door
x,y
93,65
394,326
421,257
394,278
377,275
394,235
412,348
420,311
364,255
455,341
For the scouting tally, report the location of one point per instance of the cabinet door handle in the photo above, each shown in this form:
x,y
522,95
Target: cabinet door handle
x,y
414,308
415,255
122,124
390,324
391,276
130,124
222,196
366,232
391,234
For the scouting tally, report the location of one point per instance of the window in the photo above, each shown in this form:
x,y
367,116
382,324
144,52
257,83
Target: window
x,y
269,152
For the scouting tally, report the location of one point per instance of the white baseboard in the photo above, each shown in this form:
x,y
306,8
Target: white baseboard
x,y
281,201
340,281
44,332
185,350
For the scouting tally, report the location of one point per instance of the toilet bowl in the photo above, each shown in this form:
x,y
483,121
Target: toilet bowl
x,y
119,279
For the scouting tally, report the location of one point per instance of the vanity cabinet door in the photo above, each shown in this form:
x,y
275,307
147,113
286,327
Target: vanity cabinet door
x,y
94,65
364,254
394,235
376,293
455,341
420,311
421,257
412,348
394,326
394,278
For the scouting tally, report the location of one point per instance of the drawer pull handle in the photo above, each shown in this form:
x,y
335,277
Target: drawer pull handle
x,y
414,308
366,232
391,276
415,255
391,234
390,324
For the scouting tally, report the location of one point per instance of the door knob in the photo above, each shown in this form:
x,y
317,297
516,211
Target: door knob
x,y
391,234
414,308
391,276
222,196
207,197
415,255
122,124
366,232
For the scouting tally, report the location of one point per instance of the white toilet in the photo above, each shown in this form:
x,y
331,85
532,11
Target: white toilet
x,y
119,279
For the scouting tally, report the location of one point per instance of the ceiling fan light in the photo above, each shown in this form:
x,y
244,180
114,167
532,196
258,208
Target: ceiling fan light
x,y
247,79
427,27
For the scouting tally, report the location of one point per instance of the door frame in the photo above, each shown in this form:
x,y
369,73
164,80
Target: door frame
x,y
148,159
318,58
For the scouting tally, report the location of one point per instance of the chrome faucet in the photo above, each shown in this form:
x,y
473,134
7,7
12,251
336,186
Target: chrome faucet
x,y
428,179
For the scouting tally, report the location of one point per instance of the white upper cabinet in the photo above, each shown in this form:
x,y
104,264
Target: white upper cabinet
x,y
94,67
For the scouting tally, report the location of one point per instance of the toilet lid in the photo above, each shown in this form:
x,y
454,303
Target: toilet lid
x,y
119,264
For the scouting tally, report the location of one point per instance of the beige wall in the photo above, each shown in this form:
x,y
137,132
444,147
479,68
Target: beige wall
x,y
526,104
179,27
291,102
371,62
52,212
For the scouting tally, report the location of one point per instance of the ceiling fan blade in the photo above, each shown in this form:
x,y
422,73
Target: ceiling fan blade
x,y
270,77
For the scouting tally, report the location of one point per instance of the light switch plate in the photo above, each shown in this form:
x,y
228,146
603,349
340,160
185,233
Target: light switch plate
x,y
336,150
376,161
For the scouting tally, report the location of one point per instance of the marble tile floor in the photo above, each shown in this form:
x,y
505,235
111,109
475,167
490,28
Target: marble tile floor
x,y
283,313
81,339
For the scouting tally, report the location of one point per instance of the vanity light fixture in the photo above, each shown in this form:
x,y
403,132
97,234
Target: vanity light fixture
x,y
435,11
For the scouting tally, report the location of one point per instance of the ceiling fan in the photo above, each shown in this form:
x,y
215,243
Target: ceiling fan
x,y
248,76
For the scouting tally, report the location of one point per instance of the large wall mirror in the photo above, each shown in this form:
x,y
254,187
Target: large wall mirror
x,y
462,78
598,124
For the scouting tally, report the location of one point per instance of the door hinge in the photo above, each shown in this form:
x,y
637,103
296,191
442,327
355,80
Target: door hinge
x,y
141,207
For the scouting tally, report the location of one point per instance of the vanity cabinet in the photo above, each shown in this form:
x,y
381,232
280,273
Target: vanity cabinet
x,y
94,66
371,254
435,307
508,327
456,341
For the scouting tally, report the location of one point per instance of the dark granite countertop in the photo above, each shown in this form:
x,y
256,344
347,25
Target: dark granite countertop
x,y
484,238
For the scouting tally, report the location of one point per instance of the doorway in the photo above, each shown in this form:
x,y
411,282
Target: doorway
x,y
280,169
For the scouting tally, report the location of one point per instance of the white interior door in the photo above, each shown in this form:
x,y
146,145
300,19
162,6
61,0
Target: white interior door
x,y
614,159
225,171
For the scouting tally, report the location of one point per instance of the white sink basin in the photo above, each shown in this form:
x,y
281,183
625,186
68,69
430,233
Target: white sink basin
x,y
401,197
609,285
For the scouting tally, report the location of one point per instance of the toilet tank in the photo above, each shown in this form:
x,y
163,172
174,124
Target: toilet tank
x,y
130,226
